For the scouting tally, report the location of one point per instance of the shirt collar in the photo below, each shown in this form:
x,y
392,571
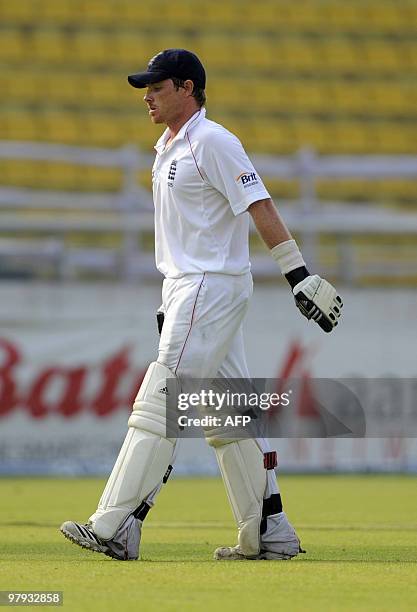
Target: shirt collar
x,y
196,118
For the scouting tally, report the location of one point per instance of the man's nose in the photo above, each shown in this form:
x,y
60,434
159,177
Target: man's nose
x,y
147,97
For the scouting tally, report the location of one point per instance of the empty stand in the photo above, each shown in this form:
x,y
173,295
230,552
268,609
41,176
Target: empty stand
x,y
337,76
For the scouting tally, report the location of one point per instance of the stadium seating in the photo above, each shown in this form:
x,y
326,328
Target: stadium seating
x,y
337,76
369,16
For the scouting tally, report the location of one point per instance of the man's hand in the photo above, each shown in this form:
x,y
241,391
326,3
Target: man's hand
x,y
318,300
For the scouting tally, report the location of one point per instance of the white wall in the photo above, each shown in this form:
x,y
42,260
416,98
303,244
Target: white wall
x,y
69,352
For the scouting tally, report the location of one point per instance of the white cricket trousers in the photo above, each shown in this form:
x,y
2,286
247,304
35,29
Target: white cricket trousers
x,y
202,335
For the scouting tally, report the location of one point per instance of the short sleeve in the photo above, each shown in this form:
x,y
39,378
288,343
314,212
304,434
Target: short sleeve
x,y
227,167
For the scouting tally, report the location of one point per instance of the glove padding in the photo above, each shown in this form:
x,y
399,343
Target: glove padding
x,y
318,300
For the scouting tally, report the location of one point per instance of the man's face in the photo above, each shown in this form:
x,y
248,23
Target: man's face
x,y
165,103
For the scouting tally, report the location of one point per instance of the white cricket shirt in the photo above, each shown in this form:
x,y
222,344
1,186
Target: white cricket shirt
x,y
202,183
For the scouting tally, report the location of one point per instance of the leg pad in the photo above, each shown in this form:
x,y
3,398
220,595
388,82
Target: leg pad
x,y
242,466
143,459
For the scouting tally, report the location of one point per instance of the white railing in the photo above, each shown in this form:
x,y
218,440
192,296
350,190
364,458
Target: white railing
x,y
129,211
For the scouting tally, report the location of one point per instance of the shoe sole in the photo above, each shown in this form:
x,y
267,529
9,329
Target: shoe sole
x,y
87,546
261,557
267,556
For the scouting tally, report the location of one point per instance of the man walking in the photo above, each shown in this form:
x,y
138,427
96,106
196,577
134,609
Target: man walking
x,y
203,186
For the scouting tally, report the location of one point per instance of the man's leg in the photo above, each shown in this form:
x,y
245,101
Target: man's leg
x,y
202,315
247,467
143,461
263,528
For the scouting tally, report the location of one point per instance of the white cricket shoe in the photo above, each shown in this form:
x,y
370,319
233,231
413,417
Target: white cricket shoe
x,y
123,547
234,553
279,542
83,536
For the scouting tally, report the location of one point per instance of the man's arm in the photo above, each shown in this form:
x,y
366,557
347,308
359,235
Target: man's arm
x,y
269,223
315,297
274,232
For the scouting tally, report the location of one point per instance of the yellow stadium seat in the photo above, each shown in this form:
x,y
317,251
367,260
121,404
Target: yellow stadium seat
x,y
296,54
228,14
13,46
308,97
391,139
105,90
348,97
97,12
407,99
130,51
60,126
408,53
219,52
48,12
90,48
273,137
270,16
387,18
100,179
408,12
304,16
49,46
101,130
185,14
351,136
59,88
158,40
229,93
390,98
383,57
138,129
266,95
344,16
281,189
142,14
13,172
18,125
59,176
308,133
13,87
16,12
340,55
257,52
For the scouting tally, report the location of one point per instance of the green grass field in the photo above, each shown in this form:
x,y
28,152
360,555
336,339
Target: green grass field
x,y
360,533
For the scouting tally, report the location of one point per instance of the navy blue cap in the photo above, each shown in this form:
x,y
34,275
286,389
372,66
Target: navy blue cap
x,y
178,63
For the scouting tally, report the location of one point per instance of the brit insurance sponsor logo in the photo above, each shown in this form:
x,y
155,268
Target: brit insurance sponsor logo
x,y
248,179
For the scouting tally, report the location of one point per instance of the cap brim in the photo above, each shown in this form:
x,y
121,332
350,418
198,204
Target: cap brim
x,y
143,79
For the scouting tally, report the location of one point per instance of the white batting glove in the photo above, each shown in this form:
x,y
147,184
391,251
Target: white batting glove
x,y
318,300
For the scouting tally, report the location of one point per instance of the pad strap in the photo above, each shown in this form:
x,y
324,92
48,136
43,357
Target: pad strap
x,y
141,511
167,474
270,460
272,505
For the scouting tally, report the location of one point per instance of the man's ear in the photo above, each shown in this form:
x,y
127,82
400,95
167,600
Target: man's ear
x,y
189,87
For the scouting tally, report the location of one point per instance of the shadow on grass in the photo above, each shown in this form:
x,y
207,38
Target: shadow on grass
x,y
162,553
198,552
